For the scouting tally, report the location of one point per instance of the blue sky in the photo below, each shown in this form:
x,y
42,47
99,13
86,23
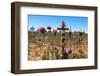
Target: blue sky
x,y
76,23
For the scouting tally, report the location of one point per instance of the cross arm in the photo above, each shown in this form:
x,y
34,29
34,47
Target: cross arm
x,y
63,28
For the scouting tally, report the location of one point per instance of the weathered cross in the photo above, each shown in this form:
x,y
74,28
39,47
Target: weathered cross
x,y
63,37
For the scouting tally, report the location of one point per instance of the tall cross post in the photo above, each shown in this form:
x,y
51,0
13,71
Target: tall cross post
x,y
63,38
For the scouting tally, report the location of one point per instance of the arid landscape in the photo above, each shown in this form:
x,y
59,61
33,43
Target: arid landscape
x,y
49,46
57,37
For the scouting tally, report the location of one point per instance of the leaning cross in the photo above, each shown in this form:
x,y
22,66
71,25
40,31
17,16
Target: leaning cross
x,y
63,35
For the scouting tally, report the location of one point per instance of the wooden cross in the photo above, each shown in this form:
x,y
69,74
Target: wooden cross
x,y
63,35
